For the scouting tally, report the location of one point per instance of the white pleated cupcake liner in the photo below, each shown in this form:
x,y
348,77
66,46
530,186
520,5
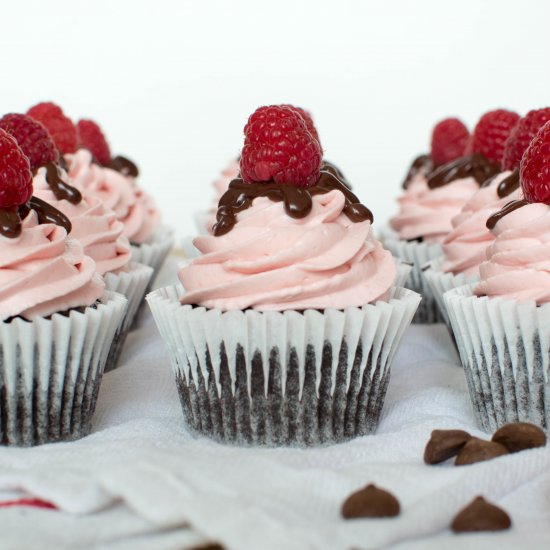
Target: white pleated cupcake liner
x,y
419,254
132,284
441,282
154,253
504,349
280,378
385,232
51,370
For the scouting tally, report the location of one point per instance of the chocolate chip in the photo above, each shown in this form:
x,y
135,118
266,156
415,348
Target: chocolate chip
x,y
478,450
481,515
370,502
444,444
519,436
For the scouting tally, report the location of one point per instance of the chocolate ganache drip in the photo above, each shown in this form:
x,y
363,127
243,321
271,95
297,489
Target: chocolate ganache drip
x,y
297,200
10,218
61,189
476,166
510,207
422,162
508,185
335,171
123,165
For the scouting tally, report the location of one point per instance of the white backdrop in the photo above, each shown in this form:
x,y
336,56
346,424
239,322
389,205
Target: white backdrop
x,y
173,83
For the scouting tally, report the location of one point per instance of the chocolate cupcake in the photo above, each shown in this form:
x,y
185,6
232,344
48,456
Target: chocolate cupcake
x,y
502,324
287,323
57,322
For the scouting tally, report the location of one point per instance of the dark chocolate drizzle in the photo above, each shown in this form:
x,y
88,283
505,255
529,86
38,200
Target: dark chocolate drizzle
x,y
335,171
297,200
476,166
422,162
10,218
508,185
10,222
510,207
61,189
124,165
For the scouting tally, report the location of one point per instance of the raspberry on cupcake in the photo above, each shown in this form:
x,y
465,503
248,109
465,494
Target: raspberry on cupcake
x,y
292,273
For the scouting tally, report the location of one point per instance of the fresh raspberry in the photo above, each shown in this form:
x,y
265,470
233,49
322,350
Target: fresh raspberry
x,y
491,133
279,147
535,168
15,173
521,135
61,128
32,137
449,138
308,119
93,139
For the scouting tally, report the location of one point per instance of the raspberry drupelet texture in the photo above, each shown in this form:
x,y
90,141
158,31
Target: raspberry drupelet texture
x,y
491,132
279,147
449,139
535,168
308,119
15,173
32,137
521,135
93,139
60,127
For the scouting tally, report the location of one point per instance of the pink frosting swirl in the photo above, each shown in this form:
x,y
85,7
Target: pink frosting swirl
x,y
465,246
93,225
270,261
42,272
518,261
427,213
132,206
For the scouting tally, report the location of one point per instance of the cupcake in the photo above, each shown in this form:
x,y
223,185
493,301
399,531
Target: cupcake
x,y
93,225
286,325
502,323
426,211
464,248
56,320
112,180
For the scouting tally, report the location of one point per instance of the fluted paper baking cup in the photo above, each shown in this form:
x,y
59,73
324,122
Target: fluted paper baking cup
x,y
51,370
280,378
441,282
385,232
154,253
132,284
419,254
504,348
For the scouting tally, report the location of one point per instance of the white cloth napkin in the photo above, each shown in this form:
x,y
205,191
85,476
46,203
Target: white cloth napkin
x,y
142,481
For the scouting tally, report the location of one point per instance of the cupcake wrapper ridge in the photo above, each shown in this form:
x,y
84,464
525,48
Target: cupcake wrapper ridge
x,y
154,252
51,370
504,348
279,378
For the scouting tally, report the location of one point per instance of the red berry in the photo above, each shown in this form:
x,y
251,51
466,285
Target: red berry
x,y
449,138
61,128
308,119
93,139
15,173
535,168
521,135
491,133
279,147
32,137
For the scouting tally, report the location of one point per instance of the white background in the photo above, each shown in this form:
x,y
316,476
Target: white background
x,y
173,83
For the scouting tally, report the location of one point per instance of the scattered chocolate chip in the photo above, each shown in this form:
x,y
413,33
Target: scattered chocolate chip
x,y
519,436
481,515
370,502
478,450
444,444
